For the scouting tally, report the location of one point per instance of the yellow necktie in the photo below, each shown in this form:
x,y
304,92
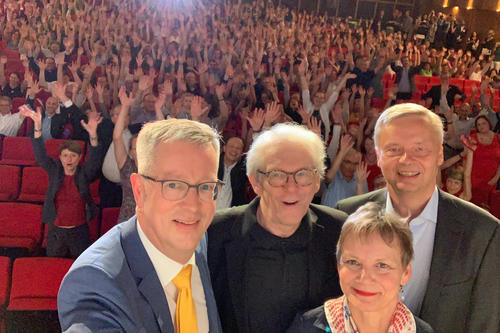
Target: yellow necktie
x,y
185,314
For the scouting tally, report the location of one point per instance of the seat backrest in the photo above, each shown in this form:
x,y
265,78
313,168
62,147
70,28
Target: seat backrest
x,y
34,185
109,218
17,150
21,220
9,177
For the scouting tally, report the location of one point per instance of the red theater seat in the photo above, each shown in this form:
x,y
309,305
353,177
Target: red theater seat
x,y
17,151
434,80
9,177
36,281
94,191
457,82
4,288
420,79
20,225
34,185
52,147
495,203
109,218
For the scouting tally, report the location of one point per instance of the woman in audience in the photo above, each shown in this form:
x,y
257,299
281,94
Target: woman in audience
x,y
126,159
486,162
373,260
458,177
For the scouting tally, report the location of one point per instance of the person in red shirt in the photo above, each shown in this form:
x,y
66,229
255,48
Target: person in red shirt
x,y
68,204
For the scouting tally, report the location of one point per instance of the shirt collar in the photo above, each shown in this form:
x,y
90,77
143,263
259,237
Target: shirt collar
x,y
428,214
166,268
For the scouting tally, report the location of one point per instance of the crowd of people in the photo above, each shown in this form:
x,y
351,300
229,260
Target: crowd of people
x,y
97,71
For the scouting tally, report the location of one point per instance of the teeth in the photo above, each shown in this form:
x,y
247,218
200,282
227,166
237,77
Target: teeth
x,y
408,173
185,222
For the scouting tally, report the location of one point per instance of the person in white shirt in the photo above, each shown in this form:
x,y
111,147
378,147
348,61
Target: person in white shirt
x,y
9,122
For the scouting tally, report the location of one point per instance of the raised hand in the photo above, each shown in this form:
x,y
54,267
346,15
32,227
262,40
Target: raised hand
x,y
304,114
60,91
91,125
314,124
125,99
256,120
219,91
168,88
362,171
346,143
273,112
90,93
27,112
196,108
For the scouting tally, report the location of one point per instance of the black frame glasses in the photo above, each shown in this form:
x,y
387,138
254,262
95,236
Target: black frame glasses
x,y
175,190
280,177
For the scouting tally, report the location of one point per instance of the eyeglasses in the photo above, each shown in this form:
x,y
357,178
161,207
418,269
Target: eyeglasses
x,y
302,177
174,190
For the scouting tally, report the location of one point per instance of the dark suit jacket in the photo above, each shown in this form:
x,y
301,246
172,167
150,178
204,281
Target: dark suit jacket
x,y
238,180
435,94
314,321
113,287
228,243
84,175
463,293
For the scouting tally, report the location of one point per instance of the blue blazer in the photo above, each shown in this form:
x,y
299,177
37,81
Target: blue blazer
x,y
113,287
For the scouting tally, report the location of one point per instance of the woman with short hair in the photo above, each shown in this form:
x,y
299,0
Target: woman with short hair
x,y
373,260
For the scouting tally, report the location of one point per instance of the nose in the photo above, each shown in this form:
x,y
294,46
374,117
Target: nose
x,y
405,158
192,199
364,274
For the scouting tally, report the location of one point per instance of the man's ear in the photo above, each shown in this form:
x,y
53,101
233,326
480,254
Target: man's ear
x,y
257,187
138,189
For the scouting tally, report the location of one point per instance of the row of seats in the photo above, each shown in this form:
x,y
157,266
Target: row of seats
x,y
30,184
18,293
21,227
17,150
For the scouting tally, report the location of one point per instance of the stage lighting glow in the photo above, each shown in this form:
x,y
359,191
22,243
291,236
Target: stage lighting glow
x,y
470,4
445,3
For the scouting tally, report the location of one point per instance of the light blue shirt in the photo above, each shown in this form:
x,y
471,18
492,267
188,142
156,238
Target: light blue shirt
x,y
423,229
340,189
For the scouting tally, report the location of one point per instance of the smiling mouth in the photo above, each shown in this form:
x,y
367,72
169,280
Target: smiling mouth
x,y
183,222
290,203
408,173
363,293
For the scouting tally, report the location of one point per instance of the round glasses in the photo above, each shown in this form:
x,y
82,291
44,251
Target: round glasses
x,y
302,177
174,190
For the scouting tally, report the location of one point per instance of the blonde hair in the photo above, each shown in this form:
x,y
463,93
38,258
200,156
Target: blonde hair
x,y
286,133
171,130
371,219
405,110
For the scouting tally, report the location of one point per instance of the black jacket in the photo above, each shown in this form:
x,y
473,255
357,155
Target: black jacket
x,y
435,94
238,180
228,245
84,175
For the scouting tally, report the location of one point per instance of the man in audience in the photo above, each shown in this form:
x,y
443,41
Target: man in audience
x,y
9,122
232,173
458,244
144,275
274,257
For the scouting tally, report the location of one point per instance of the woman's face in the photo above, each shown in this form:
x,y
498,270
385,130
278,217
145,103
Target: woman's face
x,y
453,185
371,273
482,126
369,145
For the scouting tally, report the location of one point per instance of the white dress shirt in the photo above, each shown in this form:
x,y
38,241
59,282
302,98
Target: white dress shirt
x,y
423,229
226,193
10,123
167,269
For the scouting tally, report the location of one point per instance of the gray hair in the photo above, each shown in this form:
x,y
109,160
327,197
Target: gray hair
x,y
290,133
165,131
405,110
370,219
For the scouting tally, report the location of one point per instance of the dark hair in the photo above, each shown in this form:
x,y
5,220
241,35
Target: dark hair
x,y
72,146
485,118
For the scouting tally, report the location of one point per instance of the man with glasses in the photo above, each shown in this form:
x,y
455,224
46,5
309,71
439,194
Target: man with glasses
x,y
274,257
144,275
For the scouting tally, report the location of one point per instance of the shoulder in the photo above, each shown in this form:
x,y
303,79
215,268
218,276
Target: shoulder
x,y
227,217
350,205
310,322
327,214
422,326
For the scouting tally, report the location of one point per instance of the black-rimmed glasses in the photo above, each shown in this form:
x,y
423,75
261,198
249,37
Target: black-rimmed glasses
x,y
174,190
302,177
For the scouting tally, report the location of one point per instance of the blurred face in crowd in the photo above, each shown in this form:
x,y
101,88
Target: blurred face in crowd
x,y
233,150
54,47
5,106
149,103
379,182
371,272
453,185
51,106
319,99
283,207
349,164
14,80
482,126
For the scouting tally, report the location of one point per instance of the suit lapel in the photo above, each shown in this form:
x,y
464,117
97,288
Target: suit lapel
x,y
213,315
147,280
315,254
447,239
